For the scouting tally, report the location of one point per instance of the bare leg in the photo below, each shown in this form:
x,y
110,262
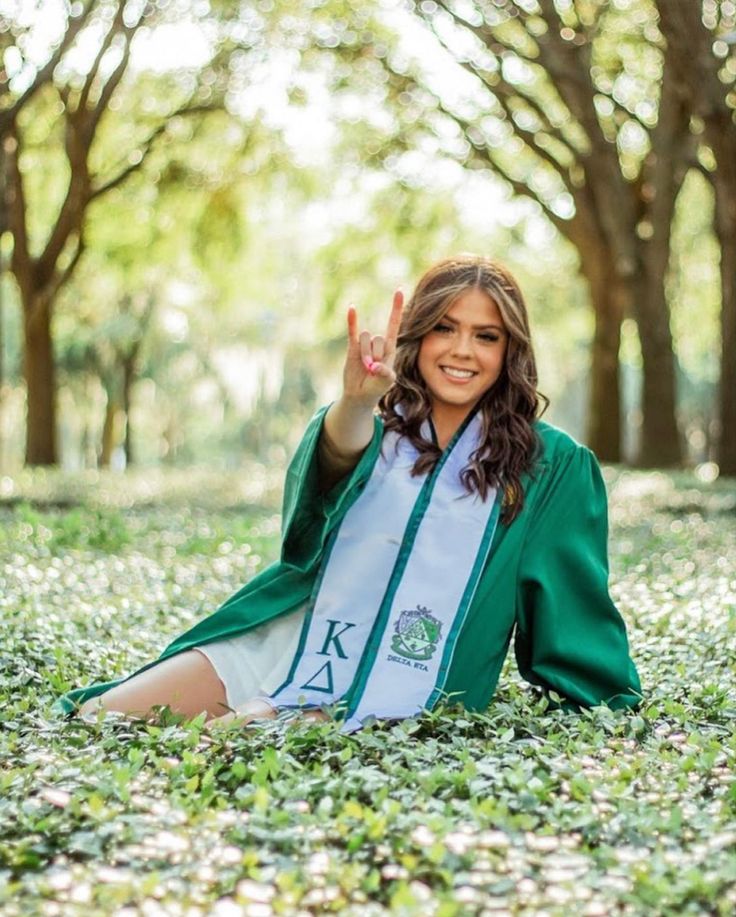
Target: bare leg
x,y
186,682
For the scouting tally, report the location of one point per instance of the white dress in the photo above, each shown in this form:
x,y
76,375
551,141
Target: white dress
x,y
254,664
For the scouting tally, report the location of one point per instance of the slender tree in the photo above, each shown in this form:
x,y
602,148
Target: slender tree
x,y
701,39
11,105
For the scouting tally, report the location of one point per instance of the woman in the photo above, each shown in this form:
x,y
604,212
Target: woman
x,y
428,514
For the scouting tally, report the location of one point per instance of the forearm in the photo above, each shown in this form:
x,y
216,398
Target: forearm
x,y
347,431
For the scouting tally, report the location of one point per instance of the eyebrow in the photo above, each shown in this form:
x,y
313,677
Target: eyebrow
x,y
449,318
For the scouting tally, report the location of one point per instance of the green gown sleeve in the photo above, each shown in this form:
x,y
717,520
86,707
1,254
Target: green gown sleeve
x,y
570,637
308,513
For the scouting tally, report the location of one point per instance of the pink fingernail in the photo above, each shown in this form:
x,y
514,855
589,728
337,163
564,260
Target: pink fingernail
x,y
369,364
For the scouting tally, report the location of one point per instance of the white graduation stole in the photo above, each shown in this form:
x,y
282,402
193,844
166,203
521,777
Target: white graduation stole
x,y
394,588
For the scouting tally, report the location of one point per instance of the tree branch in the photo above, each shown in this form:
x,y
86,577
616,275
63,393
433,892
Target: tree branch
x,y
71,213
16,203
112,84
482,153
620,107
485,33
44,75
552,129
116,27
487,36
570,74
61,277
128,170
521,188
674,143
529,138
503,93
81,127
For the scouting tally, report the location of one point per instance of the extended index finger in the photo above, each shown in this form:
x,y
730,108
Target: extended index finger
x,y
394,320
352,316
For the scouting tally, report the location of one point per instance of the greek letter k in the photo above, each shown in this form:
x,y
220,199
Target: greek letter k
x,y
332,637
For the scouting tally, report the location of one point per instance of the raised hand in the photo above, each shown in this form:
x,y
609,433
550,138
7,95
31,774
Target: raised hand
x,y
349,422
369,364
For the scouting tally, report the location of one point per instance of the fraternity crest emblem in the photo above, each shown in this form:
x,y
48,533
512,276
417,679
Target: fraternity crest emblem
x,y
417,633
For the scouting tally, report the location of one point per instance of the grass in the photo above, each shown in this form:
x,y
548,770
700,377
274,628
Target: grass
x,y
519,810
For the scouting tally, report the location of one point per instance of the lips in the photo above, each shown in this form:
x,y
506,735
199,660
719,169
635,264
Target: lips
x,y
458,375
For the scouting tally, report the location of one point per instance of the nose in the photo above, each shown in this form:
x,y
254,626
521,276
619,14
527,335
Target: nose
x,y
461,346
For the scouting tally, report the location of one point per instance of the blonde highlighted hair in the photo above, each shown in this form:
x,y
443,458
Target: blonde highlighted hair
x,y
508,445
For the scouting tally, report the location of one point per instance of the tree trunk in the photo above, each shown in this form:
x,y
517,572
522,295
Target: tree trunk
x,y
604,414
107,443
640,294
626,275
38,362
128,378
660,438
690,43
3,228
2,354
725,220
660,444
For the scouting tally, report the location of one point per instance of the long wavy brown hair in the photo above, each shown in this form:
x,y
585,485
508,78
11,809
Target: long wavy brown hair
x,y
508,445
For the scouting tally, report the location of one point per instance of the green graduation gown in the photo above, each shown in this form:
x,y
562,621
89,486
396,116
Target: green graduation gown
x,y
545,581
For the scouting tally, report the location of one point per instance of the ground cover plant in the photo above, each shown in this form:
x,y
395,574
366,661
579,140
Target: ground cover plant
x,y
518,810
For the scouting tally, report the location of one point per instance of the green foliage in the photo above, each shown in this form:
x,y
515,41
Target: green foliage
x,y
104,530
519,809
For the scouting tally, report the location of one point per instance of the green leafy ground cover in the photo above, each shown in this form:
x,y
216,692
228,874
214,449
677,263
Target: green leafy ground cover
x,y
518,810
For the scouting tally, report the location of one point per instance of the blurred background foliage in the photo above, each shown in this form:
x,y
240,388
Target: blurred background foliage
x,y
260,166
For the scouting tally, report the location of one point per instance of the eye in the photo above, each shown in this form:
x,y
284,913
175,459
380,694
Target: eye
x,y
443,328
489,336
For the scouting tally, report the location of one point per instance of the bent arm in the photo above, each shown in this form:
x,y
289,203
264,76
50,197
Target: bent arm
x,y
570,637
347,431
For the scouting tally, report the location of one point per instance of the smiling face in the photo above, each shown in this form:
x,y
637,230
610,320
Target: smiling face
x,y
462,357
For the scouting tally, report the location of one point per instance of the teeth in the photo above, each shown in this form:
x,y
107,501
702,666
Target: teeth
x,y
458,373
